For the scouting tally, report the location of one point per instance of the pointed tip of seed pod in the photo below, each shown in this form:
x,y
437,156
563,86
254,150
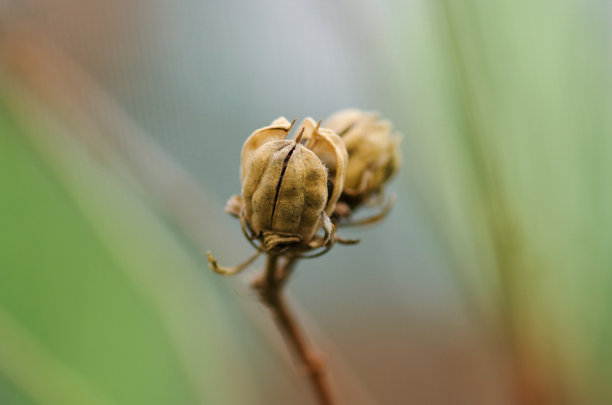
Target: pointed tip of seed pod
x,y
299,137
291,126
317,127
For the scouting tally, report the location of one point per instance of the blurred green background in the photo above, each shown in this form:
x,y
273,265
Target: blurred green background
x,y
121,125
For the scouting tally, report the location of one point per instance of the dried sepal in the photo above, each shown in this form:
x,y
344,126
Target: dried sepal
x,y
234,205
327,241
329,148
277,242
277,130
342,121
328,236
246,234
229,271
374,219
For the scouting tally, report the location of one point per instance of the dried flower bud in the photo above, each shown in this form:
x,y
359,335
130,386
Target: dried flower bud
x,y
289,189
373,150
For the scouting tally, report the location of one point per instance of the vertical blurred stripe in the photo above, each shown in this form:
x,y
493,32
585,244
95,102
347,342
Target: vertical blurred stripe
x,y
516,130
170,342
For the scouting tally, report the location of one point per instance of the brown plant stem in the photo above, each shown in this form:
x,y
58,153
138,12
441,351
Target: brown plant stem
x,y
270,291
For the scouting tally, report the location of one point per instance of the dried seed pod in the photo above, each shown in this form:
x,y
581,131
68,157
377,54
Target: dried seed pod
x,y
288,188
373,153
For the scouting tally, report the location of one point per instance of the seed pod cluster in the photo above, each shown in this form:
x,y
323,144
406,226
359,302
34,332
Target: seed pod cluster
x,y
373,150
295,191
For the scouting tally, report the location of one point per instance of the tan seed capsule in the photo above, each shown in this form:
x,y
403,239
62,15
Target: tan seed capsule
x,y
289,189
373,153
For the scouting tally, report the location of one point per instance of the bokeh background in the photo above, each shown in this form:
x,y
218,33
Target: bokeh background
x,y
121,125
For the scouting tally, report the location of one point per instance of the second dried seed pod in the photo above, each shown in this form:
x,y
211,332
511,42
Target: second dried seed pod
x,y
373,153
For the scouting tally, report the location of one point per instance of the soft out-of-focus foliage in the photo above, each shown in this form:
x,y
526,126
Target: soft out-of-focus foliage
x,y
101,300
91,285
73,327
516,135
504,197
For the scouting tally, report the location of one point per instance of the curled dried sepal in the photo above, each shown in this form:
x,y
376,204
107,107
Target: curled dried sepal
x,y
276,131
374,219
277,242
373,150
234,205
328,147
327,241
229,271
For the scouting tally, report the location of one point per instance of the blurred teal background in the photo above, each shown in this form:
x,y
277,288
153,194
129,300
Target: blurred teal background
x,y
121,125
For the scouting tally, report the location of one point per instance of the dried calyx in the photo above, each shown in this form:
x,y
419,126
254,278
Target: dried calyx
x,y
290,188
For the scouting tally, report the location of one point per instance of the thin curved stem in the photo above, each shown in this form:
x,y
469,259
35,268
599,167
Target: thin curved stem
x,y
270,290
373,219
229,271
